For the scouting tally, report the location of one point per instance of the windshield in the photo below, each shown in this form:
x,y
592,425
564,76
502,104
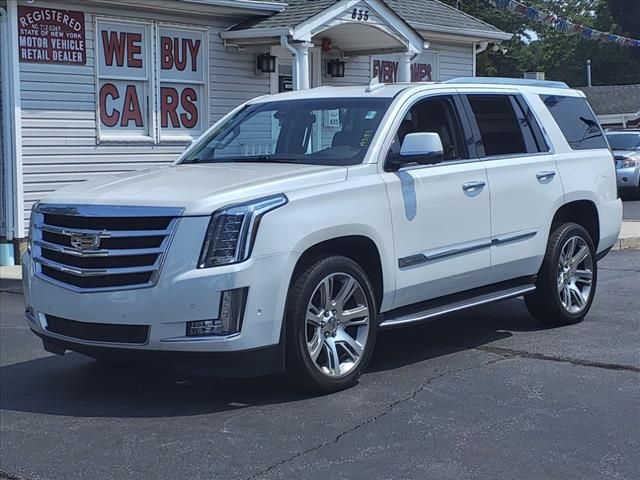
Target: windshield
x,y
335,131
624,141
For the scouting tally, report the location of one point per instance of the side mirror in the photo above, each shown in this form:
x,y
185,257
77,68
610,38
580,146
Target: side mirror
x,y
423,148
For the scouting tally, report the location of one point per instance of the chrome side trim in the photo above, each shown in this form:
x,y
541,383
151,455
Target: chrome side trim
x,y
514,237
462,248
441,253
456,306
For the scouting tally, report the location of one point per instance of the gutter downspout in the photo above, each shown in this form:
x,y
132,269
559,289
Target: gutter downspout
x,y
478,48
284,42
15,121
7,147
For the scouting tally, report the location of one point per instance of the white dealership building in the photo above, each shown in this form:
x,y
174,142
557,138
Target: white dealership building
x,y
96,87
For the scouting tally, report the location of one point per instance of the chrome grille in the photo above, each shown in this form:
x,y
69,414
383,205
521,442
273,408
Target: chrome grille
x,y
98,248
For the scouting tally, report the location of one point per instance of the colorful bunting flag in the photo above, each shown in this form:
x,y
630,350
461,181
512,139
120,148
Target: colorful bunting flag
x,y
562,24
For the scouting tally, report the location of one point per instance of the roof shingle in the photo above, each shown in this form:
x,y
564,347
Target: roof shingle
x,y
613,99
417,13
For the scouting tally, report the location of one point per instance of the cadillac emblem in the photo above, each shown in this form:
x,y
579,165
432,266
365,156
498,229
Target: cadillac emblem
x,y
85,241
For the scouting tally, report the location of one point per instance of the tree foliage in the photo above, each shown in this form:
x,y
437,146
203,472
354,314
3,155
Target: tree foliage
x,y
562,56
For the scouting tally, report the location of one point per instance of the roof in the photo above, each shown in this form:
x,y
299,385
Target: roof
x,y
423,13
614,99
420,14
393,89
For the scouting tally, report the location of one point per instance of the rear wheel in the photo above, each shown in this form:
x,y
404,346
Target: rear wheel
x,y
567,280
331,325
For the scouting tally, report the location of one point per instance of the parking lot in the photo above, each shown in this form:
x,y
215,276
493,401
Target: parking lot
x,y
484,394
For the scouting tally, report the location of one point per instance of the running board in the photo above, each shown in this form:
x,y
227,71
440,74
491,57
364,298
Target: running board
x,y
435,308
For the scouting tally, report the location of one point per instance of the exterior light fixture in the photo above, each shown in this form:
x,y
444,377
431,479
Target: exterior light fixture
x,y
266,63
336,68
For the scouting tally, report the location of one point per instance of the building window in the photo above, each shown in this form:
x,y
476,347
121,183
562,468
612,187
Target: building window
x,y
148,90
124,72
183,79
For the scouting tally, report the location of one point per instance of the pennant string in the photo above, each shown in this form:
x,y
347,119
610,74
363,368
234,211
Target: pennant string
x,y
563,25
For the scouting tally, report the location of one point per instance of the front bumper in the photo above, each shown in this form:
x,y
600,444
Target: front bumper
x,y
628,177
183,293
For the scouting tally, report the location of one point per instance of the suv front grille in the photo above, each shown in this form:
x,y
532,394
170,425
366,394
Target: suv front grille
x,y
98,332
89,248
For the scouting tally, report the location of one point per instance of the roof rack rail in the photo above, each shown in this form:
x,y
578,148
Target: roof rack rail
x,y
509,81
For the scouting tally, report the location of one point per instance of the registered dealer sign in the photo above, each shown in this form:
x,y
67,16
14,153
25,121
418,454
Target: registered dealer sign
x,y
48,35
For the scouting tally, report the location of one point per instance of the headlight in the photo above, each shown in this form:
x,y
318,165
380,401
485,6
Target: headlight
x,y
232,231
630,162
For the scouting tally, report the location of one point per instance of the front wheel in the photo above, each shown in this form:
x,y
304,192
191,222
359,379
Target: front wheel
x,y
567,280
331,323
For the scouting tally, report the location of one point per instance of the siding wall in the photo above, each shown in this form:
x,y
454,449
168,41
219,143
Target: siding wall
x,y
59,110
455,60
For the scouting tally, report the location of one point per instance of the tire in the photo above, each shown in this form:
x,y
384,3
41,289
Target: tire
x,y
327,350
566,286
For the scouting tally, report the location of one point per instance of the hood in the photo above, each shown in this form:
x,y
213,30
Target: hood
x,y
199,189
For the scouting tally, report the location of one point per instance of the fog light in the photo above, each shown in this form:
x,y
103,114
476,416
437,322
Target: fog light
x,y
229,319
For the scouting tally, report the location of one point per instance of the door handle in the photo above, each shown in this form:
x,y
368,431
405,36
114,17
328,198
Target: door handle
x,y
547,175
473,187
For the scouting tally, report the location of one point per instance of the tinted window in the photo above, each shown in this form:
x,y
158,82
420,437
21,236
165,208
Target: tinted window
x,y
624,141
437,115
576,120
500,127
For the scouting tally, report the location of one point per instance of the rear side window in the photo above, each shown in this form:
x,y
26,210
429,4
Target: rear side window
x,y
576,120
506,125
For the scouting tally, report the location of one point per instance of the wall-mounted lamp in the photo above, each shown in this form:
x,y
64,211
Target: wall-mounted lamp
x,y
266,63
336,68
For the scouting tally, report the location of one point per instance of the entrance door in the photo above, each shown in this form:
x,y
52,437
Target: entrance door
x,y
441,213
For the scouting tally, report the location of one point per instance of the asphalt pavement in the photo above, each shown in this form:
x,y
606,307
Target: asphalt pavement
x,y
486,394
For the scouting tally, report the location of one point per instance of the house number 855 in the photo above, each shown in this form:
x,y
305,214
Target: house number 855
x,y
360,15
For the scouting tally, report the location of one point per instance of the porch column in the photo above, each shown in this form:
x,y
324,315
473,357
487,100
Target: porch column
x,y
303,65
404,67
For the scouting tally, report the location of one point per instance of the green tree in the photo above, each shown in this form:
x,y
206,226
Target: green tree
x,y
563,56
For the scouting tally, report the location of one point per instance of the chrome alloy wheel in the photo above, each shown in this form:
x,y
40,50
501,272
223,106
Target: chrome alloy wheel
x,y
575,275
337,324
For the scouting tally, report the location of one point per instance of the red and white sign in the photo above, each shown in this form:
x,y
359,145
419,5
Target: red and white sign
x,y
48,35
127,80
182,79
124,78
423,68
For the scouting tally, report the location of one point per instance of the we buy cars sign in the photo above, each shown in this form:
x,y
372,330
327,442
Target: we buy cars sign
x,y
130,72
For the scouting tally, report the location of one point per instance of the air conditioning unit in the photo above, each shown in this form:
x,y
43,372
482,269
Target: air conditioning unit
x,y
534,75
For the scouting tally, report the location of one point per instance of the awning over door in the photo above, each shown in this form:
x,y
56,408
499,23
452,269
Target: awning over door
x,y
354,28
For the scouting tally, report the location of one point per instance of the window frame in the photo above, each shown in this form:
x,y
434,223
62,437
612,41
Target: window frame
x,y
152,56
103,135
182,135
466,133
520,108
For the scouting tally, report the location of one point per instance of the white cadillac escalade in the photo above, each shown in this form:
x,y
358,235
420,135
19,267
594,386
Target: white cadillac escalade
x,y
301,224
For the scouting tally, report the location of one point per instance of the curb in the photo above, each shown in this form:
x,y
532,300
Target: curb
x,y
10,286
630,243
